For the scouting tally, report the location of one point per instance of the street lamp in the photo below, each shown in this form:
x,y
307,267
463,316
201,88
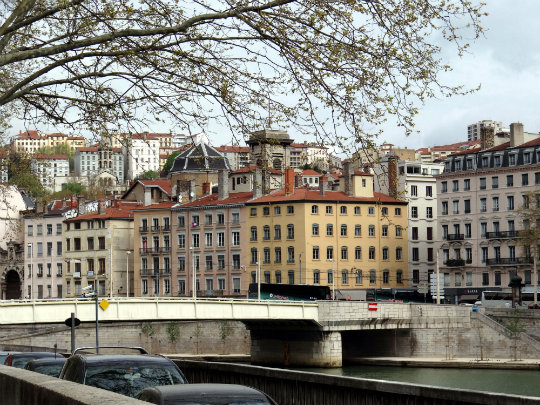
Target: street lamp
x,y
31,251
128,252
333,280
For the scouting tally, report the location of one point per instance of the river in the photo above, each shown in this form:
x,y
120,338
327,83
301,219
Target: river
x,y
520,382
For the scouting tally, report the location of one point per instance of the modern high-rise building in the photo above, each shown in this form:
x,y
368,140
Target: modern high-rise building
x,y
474,130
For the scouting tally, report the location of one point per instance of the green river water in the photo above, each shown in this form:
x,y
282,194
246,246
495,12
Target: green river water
x,y
520,382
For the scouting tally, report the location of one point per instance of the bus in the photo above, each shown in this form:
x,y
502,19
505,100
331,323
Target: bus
x,y
503,299
290,292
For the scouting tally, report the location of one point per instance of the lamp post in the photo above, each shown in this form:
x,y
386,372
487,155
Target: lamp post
x,y
193,274
333,281
258,275
128,252
31,251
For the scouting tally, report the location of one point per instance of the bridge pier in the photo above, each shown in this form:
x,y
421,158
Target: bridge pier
x,y
296,348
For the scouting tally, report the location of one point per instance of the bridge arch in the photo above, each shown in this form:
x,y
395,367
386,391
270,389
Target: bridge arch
x,y
11,283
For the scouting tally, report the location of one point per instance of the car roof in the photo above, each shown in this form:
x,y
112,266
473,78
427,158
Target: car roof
x,y
35,354
182,390
48,360
120,358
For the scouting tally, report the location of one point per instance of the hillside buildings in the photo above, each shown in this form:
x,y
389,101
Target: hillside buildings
x,y
474,130
51,170
31,141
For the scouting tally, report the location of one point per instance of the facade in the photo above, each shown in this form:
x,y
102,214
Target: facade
x,y
44,259
147,192
270,149
96,247
369,156
141,154
310,177
90,162
351,241
414,182
474,130
238,156
30,141
309,153
440,152
51,170
479,197
245,179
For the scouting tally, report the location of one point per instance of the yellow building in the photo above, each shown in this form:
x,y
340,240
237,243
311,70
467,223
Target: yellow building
x,y
350,241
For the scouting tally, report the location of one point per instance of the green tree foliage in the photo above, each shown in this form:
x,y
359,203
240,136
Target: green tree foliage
x,y
332,69
529,235
148,175
169,163
20,174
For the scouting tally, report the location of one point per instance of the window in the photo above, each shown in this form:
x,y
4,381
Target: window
x,y
455,205
372,277
483,204
236,238
497,278
181,221
343,210
415,254
482,183
266,211
49,229
277,232
209,262
266,232
371,210
483,229
484,254
314,209
344,253
526,158
444,206
384,211
208,239
253,212
290,275
467,204
414,212
372,253
414,235
236,261
266,254
221,239
290,209
208,219
40,228
358,276
290,254
343,230
429,212
357,253
344,277
416,276
444,187
254,255
485,278
329,230
59,248
220,218
253,233
330,276
101,242
356,210
399,253
235,219
277,210
495,201
468,231
194,220
277,255
195,240
30,230
397,212
466,184
455,185
429,191
398,231
385,254
537,177
357,230
330,253
315,253
221,262
290,231
371,230
328,209
524,181
399,276
495,182
414,191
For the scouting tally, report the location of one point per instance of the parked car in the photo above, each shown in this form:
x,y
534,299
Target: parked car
x,y
126,374
48,366
19,360
3,356
205,394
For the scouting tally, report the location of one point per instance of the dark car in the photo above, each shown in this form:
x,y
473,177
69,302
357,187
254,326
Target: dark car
x,y
47,366
19,360
126,374
205,394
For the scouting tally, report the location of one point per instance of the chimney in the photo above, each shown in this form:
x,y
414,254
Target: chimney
x,y
289,181
257,187
206,188
323,184
147,196
347,175
266,181
223,184
192,191
516,134
392,175
297,180
101,206
81,206
487,137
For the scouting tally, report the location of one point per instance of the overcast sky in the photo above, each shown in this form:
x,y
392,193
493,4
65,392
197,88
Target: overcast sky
x,y
506,63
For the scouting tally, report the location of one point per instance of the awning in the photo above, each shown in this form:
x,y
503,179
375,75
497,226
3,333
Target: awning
x,y
469,297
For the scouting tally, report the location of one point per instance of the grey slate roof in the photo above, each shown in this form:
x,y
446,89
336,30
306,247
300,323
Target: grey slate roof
x,y
200,157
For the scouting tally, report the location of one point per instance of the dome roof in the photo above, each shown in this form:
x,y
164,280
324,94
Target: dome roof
x,y
200,157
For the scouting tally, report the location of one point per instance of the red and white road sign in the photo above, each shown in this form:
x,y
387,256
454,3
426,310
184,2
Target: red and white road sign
x,y
372,306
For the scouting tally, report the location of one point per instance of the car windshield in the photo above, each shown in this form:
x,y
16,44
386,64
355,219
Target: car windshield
x,y
49,369
20,362
131,379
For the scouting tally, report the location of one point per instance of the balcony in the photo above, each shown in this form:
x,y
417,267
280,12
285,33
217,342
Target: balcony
x,y
165,272
166,228
145,272
156,228
455,236
454,263
509,261
143,229
502,235
145,251
165,249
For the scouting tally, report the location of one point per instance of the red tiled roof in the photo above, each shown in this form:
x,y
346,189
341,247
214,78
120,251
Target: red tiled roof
x,y
57,204
88,149
75,138
164,184
502,146
305,194
238,149
251,169
30,135
234,198
117,150
466,152
110,213
158,206
57,135
50,157
534,142
310,172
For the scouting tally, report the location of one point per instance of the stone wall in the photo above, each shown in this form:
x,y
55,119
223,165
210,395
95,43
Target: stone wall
x,y
530,318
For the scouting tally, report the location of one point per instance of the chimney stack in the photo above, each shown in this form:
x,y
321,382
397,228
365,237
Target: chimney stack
x,y
223,184
392,175
147,196
101,206
516,134
81,206
323,184
289,181
487,137
206,188
192,191
257,187
347,174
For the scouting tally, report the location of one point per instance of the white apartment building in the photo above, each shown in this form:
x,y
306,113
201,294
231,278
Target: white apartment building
x,y
31,141
141,155
414,182
238,156
51,170
474,130
480,193
92,161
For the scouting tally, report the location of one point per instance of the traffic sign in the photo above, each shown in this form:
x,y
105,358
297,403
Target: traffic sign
x,y
372,306
77,322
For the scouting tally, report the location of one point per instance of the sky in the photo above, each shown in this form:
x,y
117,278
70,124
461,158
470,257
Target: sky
x,y
505,62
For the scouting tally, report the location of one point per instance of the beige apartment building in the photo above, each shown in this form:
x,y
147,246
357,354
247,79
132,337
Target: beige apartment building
x,y
480,193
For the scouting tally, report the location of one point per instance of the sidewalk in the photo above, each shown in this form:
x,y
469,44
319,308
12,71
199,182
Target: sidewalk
x,y
523,364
